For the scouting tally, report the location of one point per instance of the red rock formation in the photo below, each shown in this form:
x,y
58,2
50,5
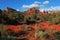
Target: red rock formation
x,y
32,10
35,10
7,9
45,12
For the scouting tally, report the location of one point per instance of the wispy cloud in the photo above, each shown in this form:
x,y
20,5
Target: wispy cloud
x,y
55,8
41,6
38,4
35,4
45,2
51,8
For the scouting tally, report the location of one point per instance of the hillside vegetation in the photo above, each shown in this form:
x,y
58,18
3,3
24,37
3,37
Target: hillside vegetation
x,y
29,25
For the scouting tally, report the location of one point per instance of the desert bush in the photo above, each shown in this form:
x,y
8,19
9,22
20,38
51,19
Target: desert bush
x,y
57,35
54,18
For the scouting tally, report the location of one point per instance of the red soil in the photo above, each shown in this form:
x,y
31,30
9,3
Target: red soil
x,y
43,25
31,36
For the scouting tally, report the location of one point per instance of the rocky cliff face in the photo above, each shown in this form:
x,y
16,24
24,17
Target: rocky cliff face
x,y
8,9
32,10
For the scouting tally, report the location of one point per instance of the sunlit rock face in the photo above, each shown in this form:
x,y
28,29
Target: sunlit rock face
x,y
32,10
8,9
35,10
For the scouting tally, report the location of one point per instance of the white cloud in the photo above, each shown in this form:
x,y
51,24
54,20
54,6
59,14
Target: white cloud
x,y
25,6
38,4
41,6
35,4
56,8
52,8
45,2
17,9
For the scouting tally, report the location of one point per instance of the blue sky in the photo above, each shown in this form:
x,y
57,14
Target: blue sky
x,y
25,4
